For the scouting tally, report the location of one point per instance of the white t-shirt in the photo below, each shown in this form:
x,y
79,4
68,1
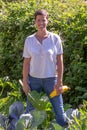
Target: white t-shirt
x,y
43,56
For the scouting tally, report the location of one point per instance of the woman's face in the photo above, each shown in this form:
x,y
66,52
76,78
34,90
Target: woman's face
x,y
41,22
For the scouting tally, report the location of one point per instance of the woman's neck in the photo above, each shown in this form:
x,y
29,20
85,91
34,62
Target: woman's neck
x,y
42,34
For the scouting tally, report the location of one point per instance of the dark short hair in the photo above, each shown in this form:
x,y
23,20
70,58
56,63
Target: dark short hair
x,y
41,12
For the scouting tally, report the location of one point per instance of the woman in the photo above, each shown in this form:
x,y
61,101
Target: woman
x,y
43,60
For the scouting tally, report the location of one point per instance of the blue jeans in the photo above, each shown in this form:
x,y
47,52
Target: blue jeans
x,y
47,84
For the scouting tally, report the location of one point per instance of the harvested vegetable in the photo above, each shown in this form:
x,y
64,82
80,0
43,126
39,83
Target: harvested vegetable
x,y
55,93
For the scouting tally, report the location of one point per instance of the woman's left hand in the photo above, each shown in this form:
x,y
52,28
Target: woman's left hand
x,y
59,88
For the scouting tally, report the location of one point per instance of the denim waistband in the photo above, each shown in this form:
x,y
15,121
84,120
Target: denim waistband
x,y
42,78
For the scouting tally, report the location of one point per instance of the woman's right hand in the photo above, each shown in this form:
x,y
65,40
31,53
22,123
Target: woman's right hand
x,y
26,88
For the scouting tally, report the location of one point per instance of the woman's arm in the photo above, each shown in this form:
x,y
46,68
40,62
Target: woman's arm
x,y
26,67
60,69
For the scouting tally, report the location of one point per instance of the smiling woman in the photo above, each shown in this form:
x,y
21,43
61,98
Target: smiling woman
x,y
41,21
43,56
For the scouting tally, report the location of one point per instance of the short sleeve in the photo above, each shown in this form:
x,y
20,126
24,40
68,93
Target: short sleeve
x,y
26,52
59,46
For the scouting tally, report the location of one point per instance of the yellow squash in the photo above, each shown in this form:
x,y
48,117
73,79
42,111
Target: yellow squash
x,y
54,92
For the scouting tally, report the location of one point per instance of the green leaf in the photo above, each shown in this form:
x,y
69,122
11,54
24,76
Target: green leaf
x,y
19,125
38,118
36,101
57,127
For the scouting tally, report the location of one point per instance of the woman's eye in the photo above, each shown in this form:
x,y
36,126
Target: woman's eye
x,y
44,20
38,20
